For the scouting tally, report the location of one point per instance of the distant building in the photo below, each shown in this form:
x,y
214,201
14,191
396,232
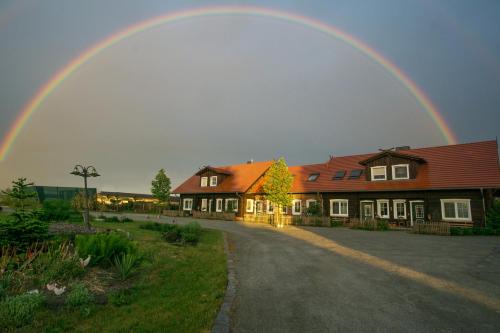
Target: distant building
x,y
60,192
131,201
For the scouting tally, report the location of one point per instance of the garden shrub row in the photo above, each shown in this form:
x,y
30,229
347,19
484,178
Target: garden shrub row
x,y
173,233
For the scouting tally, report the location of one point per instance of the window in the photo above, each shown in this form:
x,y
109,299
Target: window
x,y
296,207
399,209
218,205
187,204
456,209
213,181
309,201
231,205
400,171
355,174
204,181
312,177
383,209
284,210
339,175
339,207
259,206
379,173
249,205
270,207
203,205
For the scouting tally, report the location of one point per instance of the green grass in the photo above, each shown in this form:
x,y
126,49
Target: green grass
x,y
179,290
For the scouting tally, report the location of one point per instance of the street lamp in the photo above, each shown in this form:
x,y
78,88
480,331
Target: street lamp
x,y
85,172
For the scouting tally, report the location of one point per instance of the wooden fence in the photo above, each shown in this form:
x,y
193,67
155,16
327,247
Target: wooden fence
x,y
214,215
433,228
174,213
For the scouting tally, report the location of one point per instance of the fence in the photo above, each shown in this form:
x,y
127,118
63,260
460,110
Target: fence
x,y
214,215
433,228
174,213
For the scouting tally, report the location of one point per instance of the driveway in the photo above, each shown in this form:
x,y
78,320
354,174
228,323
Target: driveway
x,y
335,280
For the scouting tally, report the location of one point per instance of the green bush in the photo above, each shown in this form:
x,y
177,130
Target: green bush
x,y
161,227
122,297
56,210
493,217
335,222
190,233
382,225
314,209
104,247
172,236
61,270
126,264
17,311
79,295
126,219
21,230
5,282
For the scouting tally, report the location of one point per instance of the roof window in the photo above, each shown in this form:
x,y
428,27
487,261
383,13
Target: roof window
x,y
313,177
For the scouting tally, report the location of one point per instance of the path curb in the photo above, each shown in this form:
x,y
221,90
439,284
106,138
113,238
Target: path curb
x,y
222,322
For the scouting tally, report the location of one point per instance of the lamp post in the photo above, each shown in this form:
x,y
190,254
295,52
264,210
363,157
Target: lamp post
x,y
85,172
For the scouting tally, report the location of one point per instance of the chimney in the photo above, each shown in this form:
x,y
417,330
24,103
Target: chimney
x,y
402,148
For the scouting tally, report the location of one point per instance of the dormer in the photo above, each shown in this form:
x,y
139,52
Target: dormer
x,y
391,165
212,177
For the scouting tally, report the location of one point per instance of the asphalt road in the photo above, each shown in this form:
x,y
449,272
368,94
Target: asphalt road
x,y
341,280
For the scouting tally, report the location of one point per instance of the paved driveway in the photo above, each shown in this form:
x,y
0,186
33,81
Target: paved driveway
x,y
337,280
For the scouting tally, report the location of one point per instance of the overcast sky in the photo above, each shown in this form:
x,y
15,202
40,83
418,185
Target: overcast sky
x,y
222,90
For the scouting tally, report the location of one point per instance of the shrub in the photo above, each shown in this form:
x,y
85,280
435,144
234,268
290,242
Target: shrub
x,y
126,264
172,236
5,281
21,230
17,311
493,217
56,210
126,219
114,219
162,227
104,247
122,297
314,209
190,233
79,295
382,225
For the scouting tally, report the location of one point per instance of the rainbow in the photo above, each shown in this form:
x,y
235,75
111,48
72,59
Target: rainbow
x,y
58,78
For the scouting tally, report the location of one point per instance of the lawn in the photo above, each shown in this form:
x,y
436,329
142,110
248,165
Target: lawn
x,y
179,289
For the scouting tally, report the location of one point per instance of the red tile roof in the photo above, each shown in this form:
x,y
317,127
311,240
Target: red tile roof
x,y
241,178
462,166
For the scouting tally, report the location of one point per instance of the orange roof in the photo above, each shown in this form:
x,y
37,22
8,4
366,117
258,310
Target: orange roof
x,y
462,166
241,177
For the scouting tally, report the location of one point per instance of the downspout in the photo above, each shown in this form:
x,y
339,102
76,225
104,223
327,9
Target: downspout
x,y
484,207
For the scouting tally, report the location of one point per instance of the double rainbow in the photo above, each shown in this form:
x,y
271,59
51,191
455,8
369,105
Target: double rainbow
x,y
57,79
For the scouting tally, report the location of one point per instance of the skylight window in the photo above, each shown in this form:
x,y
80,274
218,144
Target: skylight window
x,y
339,175
355,174
312,177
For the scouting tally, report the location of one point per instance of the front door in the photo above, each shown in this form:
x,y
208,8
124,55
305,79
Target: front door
x,y
366,211
417,212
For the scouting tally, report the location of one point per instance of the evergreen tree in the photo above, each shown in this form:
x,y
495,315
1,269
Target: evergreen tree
x,y
160,187
20,194
277,186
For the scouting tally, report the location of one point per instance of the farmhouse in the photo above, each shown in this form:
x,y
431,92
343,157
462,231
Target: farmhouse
x,y
453,183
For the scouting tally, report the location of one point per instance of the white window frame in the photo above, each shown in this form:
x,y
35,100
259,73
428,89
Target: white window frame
x,y
378,167
379,202
184,204
212,183
235,208
217,205
204,202
204,182
284,210
250,206
293,207
407,166
395,208
456,218
308,202
261,210
269,211
340,201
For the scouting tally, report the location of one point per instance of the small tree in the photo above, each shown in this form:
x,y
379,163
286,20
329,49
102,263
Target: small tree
x,y
160,187
277,186
21,195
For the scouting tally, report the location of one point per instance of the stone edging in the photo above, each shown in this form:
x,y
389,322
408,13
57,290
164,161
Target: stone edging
x,y
222,322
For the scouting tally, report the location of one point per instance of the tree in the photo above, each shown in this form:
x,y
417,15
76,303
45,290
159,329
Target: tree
x,y
160,187
21,195
277,186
